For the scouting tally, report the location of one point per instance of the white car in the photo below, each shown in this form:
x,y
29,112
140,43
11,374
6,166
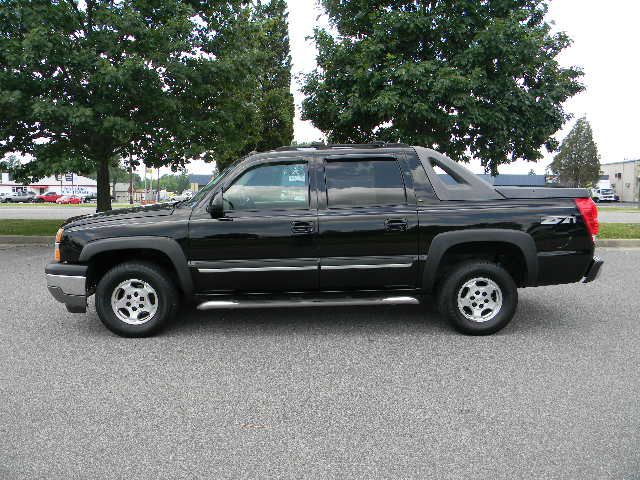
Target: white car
x,y
186,195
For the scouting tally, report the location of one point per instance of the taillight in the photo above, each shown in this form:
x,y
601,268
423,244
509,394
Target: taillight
x,y
589,212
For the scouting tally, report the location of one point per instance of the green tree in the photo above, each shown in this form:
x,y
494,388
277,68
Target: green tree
x,y
472,79
83,83
10,164
577,164
276,105
175,183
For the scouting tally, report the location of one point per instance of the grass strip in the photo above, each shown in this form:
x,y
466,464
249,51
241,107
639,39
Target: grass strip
x,y
65,205
619,209
29,227
49,227
619,230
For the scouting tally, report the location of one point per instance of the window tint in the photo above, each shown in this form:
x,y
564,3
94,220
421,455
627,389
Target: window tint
x,y
270,187
364,183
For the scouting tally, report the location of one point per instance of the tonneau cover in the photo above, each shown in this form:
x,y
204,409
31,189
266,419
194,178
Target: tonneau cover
x,y
542,192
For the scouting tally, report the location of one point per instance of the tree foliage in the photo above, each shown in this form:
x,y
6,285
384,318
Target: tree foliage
x,y
577,164
175,183
472,79
276,107
160,81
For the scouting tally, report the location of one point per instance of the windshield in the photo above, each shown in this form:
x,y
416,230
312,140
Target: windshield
x,y
606,191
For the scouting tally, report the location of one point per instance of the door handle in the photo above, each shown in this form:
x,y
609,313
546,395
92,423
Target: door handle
x,y
302,228
396,224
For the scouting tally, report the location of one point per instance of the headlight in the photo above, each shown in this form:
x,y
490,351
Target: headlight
x,y
56,248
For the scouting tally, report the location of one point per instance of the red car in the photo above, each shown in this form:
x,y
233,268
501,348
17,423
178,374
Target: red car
x,y
64,199
50,197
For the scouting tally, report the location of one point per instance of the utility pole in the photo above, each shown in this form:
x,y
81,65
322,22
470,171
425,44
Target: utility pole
x,y
158,189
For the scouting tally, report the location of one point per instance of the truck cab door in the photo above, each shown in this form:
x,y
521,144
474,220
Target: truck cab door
x,y
266,238
368,223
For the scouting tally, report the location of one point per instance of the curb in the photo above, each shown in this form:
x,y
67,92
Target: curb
x,y
618,242
26,240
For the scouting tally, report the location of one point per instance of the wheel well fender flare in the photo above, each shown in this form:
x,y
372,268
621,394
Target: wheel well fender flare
x,y
165,245
444,241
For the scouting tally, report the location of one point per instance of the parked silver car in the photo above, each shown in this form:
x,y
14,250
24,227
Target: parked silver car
x,y
16,197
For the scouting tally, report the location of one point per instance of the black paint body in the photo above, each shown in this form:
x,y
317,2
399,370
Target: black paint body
x,y
321,248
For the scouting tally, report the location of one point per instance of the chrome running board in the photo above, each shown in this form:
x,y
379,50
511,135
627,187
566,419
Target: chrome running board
x,y
307,301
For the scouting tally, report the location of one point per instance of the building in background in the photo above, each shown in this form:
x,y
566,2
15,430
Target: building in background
x,y
509,180
64,184
624,178
121,193
198,181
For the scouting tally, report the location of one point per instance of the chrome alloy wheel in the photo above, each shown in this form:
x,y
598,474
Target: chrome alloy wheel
x,y
479,299
134,301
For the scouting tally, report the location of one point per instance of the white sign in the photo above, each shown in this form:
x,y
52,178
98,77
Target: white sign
x,y
75,190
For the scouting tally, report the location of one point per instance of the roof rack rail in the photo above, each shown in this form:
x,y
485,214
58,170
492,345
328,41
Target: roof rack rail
x,y
329,146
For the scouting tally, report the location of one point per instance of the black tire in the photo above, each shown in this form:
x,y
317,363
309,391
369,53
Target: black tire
x,y
453,285
166,300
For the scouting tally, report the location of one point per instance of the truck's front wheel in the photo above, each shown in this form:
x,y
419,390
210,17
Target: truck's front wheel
x,y
135,299
478,298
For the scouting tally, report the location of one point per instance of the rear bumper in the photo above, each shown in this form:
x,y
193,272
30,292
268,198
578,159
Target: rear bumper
x,y
68,285
594,270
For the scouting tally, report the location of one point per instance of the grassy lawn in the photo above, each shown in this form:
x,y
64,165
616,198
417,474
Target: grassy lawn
x,y
619,230
29,227
49,205
618,209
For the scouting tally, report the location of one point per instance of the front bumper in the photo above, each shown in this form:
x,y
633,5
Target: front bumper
x,y
68,285
594,270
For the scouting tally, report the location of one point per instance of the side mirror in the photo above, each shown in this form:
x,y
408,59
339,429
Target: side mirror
x,y
216,207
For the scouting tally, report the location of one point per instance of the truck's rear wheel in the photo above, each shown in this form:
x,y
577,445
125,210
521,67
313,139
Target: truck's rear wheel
x,y
136,299
478,298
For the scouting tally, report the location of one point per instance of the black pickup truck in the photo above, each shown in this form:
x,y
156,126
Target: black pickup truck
x,y
330,225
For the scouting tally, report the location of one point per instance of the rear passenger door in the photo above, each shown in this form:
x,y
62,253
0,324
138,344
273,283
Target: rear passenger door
x,y
367,217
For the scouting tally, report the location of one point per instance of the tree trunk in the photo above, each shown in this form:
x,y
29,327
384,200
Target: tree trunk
x,y
104,195
130,183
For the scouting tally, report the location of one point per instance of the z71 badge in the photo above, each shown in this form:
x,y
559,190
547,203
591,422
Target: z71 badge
x,y
557,220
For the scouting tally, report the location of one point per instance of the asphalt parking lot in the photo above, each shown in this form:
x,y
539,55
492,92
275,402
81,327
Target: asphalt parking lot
x,y
329,394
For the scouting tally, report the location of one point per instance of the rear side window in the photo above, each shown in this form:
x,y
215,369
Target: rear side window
x,y
362,183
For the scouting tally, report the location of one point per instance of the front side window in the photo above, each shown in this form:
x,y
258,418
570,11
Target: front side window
x,y
281,186
364,183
